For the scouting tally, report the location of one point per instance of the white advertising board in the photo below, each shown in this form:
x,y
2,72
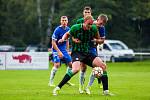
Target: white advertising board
x,y
27,60
2,60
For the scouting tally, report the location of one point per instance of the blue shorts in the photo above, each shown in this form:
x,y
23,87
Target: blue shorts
x,y
66,57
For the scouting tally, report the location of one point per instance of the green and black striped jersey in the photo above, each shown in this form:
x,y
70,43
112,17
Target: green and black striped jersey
x,y
79,21
85,36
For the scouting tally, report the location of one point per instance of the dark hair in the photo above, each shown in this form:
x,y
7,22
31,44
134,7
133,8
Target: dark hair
x,y
87,8
64,17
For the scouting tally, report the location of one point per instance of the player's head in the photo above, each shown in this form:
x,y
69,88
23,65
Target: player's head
x,y
64,21
87,11
88,21
102,19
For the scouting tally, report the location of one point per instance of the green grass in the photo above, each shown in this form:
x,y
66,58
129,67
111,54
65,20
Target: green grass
x,y
128,81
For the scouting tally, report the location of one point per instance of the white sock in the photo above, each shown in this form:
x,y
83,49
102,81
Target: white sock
x,y
53,72
82,78
91,80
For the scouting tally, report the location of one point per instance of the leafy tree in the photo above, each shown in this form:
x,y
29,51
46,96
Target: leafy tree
x,y
19,19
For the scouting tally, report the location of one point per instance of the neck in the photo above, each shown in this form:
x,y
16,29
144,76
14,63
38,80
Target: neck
x,y
64,27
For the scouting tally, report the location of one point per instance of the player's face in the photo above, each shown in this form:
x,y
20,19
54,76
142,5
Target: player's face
x,y
86,12
88,24
64,21
100,22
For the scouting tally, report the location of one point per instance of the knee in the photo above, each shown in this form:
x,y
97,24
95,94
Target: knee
x,y
57,65
75,70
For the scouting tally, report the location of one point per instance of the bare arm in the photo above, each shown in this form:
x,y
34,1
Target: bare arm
x,y
56,48
67,47
65,36
76,40
98,40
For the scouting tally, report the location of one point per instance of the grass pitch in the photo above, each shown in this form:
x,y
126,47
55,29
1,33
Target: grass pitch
x,y
128,81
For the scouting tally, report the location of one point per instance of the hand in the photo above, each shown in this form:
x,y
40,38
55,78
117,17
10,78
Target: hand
x,y
76,40
60,40
94,41
60,54
69,52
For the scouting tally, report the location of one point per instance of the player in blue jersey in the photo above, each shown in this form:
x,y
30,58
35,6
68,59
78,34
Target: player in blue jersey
x,y
60,50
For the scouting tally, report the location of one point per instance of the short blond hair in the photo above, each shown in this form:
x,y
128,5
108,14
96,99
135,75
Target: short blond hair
x,y
103,17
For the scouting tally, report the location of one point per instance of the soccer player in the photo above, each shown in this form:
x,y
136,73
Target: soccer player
x,y
80,49
100,23
60,50
87,11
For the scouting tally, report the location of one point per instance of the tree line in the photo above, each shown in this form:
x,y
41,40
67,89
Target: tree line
x,y
24,22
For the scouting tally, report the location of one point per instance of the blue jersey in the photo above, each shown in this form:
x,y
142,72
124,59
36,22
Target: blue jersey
x,y
58,34
102,33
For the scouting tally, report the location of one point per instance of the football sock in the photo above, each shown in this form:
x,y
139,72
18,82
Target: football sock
x,y
81,78
99,80
91,80
69,72
64,80
53,72
104,79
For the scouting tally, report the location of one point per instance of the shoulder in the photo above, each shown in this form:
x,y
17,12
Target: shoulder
x,y
94,27
81,20
102,27
57,28
68,28
76,26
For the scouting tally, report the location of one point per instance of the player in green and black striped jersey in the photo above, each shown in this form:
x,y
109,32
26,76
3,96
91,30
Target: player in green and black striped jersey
x,y
86,11
77,32
102,19
81,54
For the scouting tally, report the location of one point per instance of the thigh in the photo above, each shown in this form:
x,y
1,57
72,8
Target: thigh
x,y
98,62
75,66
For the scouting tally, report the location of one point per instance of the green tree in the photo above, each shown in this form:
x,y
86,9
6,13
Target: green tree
x,y
19,19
